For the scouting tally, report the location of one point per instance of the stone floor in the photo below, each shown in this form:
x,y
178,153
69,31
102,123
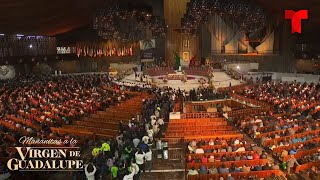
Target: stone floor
x,y
221,79
167,169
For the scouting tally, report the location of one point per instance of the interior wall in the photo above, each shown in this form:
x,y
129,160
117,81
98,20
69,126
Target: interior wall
x,y
68,66
173,12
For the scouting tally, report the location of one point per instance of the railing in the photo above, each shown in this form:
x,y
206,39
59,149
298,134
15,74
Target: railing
x,y
248,100
233,88
235,113
199,115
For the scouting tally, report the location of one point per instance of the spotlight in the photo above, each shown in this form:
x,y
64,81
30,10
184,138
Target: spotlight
x,y
30,46
238,67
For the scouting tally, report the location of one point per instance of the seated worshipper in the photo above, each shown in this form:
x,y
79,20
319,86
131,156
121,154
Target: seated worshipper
x,y
246,168
230,158
203,170
223,149
237,157
266,167
241,149
211,159
243,157
236,142
223,158
232,168
199,150
257,168
293,151
230,177
223,169
313,172
191,149
275,167
190,160
192,172
211,142
256,155
204,159
263,155
213,170
249,157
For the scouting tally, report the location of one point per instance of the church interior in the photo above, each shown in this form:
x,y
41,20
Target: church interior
x,y
159,90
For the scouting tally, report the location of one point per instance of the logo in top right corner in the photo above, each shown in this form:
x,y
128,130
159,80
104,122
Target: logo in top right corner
x,y
296,17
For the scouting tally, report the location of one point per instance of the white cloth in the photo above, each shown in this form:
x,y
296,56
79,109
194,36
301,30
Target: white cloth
x,y
145,139
135,167
236,142
150,133
155,128
90,175
199,151
153,121
157,113
240,149
140,158
149,155
130,176
160,121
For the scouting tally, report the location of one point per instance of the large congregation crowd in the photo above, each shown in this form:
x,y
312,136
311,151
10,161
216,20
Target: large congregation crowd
x,y
32,105
291,130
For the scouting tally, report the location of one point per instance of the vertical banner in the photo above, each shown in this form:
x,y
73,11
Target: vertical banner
x,y
147,48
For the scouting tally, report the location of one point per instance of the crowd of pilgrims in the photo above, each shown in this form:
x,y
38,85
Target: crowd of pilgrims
x,y
130,153
46,101
296,111
294,98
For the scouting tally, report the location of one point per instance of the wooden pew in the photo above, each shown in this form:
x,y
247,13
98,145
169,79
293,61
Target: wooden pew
x,y
300,135
220,154
307,166
63,131
300,154
280,149
207,138
228,163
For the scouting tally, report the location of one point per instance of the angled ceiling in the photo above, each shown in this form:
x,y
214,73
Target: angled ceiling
x,y
44,17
